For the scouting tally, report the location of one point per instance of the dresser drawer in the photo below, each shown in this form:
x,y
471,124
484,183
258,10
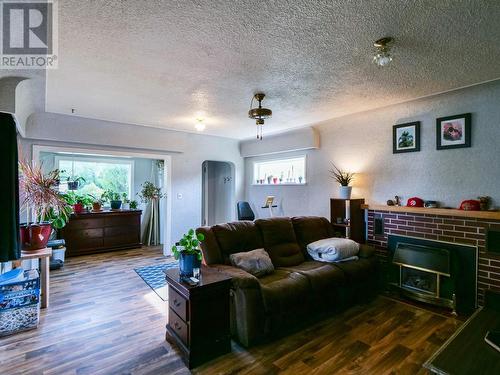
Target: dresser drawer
x,y
178,303
178,326
93,222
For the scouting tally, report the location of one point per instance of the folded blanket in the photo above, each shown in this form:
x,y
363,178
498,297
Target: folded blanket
x,y
333,249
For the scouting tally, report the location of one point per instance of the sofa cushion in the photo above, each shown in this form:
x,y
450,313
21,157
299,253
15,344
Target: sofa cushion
x,y
237,237
256,262
358,270
310,229
284,291
321,276
280,241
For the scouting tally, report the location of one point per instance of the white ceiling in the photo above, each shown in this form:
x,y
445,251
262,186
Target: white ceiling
x,y
163,63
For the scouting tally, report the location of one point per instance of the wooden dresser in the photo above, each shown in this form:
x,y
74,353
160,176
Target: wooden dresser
x,y
198,316
96,232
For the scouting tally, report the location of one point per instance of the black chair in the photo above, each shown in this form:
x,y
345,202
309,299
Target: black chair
x,y
245,211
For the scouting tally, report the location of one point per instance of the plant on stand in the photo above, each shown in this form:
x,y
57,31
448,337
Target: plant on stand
x,y
344,178
151,195
188,253
44,204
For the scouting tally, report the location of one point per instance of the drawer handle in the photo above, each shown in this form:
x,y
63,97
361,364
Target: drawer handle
x,y
177,326
176,303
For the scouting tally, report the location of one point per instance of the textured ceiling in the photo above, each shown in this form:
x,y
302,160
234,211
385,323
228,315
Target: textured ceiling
x,y
163,63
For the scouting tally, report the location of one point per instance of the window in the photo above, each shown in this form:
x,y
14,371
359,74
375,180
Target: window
x,y
290,171
99,174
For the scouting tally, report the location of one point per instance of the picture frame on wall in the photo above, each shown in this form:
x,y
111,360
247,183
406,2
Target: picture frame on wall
x,y
406,137
453,131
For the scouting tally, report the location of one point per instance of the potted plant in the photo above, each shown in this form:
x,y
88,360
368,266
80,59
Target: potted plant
x,y
113,198
39,193
344,179
150,192
79,202
96,204
133,205
74,182
125,202
188,253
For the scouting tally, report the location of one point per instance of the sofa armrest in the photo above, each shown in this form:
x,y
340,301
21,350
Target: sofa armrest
x,y
247,307
239,277
366,251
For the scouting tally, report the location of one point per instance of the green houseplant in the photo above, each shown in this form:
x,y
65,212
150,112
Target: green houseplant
x,y
40,194
133,205
125,202
344,178
113,198
188,252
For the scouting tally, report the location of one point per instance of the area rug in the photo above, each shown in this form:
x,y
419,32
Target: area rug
x,y
153,276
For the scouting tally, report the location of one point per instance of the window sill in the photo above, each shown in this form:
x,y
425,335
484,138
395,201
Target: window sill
x,y
285,184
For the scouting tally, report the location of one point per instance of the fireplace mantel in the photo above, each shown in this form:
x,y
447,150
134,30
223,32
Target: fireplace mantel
x,y
491,215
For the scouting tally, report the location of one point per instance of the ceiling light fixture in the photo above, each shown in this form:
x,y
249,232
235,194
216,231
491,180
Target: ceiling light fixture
x,y
382,55
200,126
259,113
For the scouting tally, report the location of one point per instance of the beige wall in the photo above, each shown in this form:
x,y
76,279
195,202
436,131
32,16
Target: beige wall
x,y
363,143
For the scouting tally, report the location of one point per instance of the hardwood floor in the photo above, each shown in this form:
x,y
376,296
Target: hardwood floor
x,y
103,319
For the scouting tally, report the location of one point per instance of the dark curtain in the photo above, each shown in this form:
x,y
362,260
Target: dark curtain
x,y
9,187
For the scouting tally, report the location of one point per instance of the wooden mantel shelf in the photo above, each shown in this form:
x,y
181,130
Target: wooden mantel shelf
x,y
492,215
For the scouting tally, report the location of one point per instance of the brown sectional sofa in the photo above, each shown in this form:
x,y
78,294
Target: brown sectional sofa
x,y
299,288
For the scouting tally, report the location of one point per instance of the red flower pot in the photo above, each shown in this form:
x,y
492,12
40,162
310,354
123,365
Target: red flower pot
x,y
35,236
78,208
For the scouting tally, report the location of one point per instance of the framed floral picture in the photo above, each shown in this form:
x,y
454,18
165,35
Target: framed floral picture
x,y
453,131
406,137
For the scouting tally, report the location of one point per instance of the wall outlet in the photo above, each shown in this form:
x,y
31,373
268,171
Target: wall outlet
x,y
378,226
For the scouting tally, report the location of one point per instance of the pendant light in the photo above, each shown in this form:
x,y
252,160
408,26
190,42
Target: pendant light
x,y
259,113
382,55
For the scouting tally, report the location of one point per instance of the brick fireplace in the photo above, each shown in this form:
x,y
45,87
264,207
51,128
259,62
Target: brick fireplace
x,y
479,229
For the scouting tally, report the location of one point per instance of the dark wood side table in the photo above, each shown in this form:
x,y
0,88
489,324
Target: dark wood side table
x,y
466,352
198,316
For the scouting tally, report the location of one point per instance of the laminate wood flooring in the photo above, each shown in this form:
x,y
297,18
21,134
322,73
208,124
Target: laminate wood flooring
x,y
103,319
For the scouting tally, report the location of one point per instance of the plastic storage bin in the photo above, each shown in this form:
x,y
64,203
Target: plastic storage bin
x,y
20,303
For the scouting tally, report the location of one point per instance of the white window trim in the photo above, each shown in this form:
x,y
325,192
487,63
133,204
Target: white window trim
x,y
278,159
57,158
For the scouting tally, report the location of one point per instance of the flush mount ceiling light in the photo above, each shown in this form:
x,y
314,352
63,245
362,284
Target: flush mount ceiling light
x,y
259,113
200,126
382,55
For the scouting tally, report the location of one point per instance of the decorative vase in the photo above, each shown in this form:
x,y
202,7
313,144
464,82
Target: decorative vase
x,y
125,206
345,192
96,206
34,236
186,264
78,208
115,205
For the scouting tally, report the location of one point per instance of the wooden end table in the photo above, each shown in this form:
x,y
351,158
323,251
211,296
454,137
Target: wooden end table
x,y
466,352
44,256
198,316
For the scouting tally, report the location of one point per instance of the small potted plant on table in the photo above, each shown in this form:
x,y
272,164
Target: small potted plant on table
x,y
125,202
113,198
188,253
